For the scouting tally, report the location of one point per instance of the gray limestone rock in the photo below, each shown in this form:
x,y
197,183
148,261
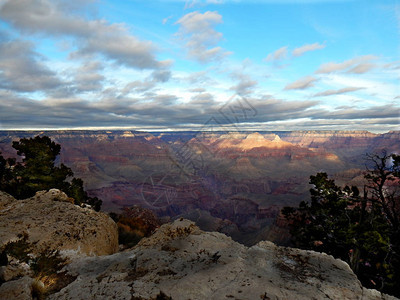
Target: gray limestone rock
x,y
186,263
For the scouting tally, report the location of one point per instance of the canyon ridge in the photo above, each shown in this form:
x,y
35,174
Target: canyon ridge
x,y
232,182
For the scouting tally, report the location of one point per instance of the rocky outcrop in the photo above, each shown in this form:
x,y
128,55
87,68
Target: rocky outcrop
x,y
21,289
51,221
184,262
14,269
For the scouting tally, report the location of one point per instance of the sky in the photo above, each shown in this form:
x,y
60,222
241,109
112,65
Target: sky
x,y
265,65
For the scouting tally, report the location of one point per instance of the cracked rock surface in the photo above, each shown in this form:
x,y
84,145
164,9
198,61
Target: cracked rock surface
x,y
186,263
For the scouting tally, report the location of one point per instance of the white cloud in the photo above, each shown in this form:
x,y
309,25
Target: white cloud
x,y
165,20
394,65
279,54
334,67
361,68
200,35
380,91
338,92
306,48
302,83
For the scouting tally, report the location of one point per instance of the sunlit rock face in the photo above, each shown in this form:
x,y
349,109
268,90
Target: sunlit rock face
x,y
184,262
255,140
51,221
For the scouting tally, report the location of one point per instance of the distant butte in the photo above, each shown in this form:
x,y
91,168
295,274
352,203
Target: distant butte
x,y
255,140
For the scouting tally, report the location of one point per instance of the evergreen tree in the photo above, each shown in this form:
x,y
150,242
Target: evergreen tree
x,y
38,171
361,230
6,176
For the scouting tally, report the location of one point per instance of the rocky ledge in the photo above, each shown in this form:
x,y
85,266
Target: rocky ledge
x,y
183,262
51,221
179,261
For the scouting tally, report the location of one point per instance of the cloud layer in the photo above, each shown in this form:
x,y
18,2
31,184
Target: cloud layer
x,y
64,65
52,18
163,112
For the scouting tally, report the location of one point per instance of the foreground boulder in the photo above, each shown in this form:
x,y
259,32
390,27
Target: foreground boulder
x,y
21,289
183,262
50,221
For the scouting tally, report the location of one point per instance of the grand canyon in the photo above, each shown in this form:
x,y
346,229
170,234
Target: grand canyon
x,y
231,182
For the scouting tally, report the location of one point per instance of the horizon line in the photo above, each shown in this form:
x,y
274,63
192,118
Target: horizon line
x,y
185,130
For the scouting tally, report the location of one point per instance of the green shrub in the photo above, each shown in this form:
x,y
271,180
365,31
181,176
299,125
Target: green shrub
x,y
19,249
46,266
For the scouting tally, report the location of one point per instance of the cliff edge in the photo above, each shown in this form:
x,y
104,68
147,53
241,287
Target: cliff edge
x,y
179,260
184,262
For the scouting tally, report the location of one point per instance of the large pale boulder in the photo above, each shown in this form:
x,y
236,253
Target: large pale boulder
x,y
51,221
186,263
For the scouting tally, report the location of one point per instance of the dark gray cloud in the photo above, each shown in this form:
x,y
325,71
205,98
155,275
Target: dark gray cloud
x,y
137,86
197,90
23,69
203,99
320,124
146,85
375,112
161,75
338,92
113,41
88,77
165,111
270,109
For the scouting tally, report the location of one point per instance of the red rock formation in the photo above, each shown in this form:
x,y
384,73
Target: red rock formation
x,y
176,173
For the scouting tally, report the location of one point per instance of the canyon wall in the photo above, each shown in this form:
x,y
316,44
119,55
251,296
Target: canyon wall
x,y
237,181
